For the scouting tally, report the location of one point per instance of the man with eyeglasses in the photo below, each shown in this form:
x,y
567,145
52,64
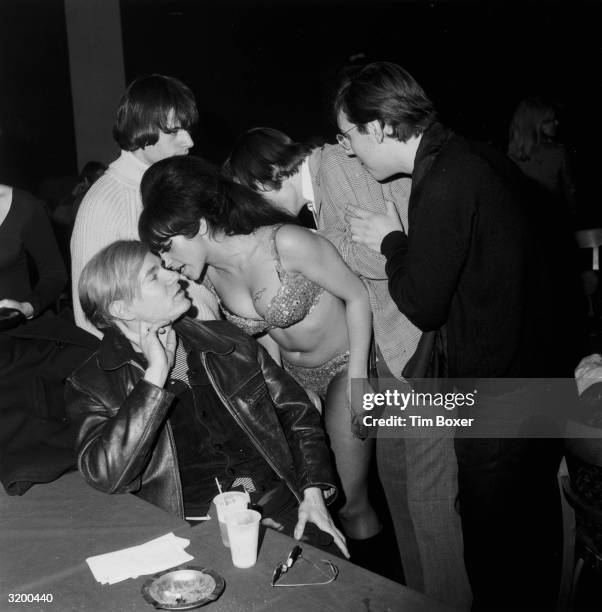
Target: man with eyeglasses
x,y
471,263
421,501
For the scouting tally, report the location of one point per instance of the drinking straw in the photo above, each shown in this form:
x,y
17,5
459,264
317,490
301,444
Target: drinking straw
x,y
219,488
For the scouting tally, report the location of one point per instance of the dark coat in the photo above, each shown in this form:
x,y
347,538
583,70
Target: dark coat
x,y
472,261
125,443
36,442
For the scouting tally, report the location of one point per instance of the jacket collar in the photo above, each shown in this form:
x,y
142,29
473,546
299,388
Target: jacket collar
x,y
202,337
432,141
116,350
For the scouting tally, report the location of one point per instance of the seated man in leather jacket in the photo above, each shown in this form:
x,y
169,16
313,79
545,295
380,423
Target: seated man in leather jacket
x,y
161,410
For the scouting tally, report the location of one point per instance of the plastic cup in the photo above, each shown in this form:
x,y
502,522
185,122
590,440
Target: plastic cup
x,y
243,533
230,500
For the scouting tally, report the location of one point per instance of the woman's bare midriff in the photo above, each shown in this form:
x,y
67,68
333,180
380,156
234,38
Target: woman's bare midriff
x,y
320,336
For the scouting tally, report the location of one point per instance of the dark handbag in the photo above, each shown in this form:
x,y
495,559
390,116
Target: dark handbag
x,y
429,361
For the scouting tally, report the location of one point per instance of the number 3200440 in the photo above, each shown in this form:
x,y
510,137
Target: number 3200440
x,y
30,597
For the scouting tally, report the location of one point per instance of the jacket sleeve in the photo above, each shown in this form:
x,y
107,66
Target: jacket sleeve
x,y
424,267
301,424
114,443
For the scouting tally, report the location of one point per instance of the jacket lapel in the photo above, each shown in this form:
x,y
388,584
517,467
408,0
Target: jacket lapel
x,y
202,337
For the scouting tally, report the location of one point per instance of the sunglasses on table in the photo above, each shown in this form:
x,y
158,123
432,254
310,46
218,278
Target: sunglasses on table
x,y
284,566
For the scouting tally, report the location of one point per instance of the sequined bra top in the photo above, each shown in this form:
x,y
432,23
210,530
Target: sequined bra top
x,y
292,303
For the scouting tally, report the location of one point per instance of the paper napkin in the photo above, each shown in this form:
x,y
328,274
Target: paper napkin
x,y
154,556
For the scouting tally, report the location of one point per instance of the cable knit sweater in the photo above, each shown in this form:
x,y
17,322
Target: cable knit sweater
x,y
109,212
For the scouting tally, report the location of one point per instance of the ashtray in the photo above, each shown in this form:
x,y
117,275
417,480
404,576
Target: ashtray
x,y
183,588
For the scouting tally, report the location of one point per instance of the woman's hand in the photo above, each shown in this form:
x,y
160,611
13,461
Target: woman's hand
x,y
25,307
355,402
370,228
313,509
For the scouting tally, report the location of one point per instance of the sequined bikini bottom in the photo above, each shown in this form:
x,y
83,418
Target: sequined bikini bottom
x,y
317,378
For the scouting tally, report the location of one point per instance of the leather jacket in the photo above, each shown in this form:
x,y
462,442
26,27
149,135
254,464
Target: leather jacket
x,y
124,440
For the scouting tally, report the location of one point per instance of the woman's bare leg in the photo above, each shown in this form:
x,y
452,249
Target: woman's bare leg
x,y
352,457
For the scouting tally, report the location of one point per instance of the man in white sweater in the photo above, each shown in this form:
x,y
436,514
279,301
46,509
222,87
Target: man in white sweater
x,y
154,119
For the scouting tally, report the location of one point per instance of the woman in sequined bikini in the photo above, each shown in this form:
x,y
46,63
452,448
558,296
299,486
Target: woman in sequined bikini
x,y
278,280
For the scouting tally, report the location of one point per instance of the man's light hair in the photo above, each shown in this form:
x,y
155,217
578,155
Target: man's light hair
x,y
112,274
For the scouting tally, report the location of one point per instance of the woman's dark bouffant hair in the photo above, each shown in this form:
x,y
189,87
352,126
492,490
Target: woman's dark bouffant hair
x,y
263,157
178,192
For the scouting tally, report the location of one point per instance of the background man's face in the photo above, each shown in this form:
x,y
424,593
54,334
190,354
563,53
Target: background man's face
x,y
175,142
168,145
370,152
290,195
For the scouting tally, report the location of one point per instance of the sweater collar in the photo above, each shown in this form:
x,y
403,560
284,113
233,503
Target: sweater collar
x,y
129,168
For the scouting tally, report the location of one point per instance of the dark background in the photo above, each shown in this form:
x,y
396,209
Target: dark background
x,y
274,62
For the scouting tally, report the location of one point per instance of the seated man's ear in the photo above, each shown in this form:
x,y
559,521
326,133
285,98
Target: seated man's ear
x,y
120,311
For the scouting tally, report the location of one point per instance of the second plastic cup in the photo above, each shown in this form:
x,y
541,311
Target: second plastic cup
x,y
243,533
230,500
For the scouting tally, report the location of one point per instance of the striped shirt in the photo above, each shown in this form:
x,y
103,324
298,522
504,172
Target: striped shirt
x,y
338,180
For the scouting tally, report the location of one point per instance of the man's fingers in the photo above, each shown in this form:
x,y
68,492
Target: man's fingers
x,y
272,524
390,206
357,212
158,326
170,342
300,527
355,225
339,540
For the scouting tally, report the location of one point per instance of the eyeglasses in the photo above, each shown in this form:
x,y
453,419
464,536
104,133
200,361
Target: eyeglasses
x,y
284,566
343,139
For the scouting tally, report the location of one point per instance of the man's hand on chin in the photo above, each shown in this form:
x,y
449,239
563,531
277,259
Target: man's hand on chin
x,y
313,509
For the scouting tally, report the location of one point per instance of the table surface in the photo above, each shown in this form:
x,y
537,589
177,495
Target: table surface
x,y
46,535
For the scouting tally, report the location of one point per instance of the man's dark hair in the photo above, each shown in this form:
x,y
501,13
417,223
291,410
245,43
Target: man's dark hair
x,y
146,108
385,92
264,157
178,192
